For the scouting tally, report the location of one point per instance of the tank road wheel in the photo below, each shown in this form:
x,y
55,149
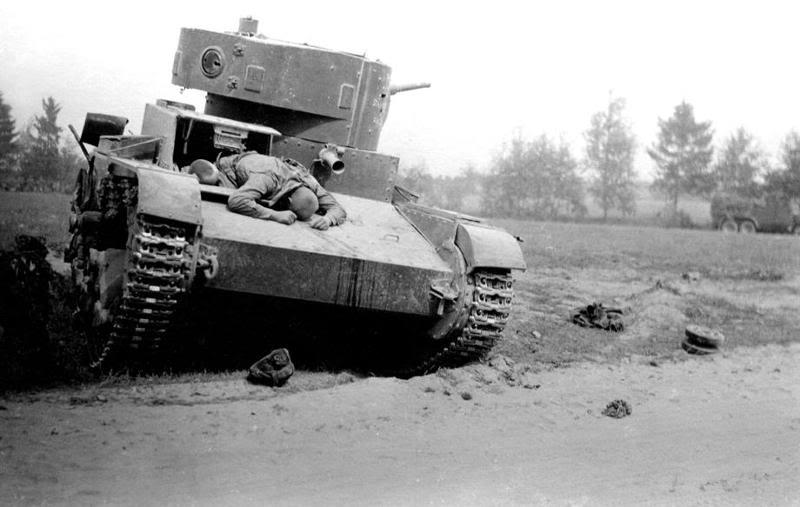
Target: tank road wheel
x,y
747,227
729,225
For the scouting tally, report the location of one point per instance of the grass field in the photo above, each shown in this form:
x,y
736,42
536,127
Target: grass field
x,y
748,287
34,214
649,209
749,284
673,250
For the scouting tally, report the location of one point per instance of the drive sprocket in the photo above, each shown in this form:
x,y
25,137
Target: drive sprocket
x,y
489,308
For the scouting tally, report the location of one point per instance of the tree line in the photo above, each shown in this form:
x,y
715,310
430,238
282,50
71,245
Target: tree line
x,y
527,178
38,157
541,178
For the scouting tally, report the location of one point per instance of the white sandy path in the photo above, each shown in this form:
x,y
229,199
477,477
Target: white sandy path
x,y
721,430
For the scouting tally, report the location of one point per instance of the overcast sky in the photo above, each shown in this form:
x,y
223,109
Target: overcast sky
x,y
495,66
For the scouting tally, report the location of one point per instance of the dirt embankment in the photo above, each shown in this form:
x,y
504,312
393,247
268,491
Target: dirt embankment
x,y
720,430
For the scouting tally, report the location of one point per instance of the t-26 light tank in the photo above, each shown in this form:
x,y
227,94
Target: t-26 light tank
x,y
150,242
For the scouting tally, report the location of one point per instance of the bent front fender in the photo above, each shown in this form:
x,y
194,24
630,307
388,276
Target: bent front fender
x,y
486,247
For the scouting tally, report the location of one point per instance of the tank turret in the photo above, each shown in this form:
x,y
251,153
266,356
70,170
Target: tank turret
x,y
315,98
300,90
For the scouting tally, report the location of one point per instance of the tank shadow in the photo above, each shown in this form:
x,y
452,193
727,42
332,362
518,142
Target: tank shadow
x,y
231,331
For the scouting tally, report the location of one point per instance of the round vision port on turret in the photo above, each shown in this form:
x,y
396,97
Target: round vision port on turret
x,y
212,62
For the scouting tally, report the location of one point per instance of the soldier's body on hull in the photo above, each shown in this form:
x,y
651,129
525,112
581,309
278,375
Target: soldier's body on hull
x,y
288,189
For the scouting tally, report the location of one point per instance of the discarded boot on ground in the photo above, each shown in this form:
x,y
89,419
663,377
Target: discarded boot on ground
x,y
273,370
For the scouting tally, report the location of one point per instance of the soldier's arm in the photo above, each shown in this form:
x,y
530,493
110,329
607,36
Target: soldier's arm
x,y
244,200
334,211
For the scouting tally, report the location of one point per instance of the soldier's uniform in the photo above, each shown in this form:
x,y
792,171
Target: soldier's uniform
x,y
270,179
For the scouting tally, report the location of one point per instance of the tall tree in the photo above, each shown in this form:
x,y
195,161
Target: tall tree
x,y
41,158
416,178
534,179
739,163
786,179
610,148
507,178
8,135
682,155
453,190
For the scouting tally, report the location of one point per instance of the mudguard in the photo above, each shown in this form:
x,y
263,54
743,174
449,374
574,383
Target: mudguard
x,y
485,247
168,194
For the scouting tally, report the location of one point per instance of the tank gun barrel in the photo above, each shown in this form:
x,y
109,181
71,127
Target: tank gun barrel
x,y
407,87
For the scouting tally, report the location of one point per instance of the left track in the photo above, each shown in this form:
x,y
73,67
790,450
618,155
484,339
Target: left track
x,y
159,263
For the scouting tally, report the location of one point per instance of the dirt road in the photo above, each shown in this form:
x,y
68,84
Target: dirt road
x,y
724,429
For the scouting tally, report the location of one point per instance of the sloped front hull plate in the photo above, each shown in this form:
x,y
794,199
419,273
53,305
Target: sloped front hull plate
x,y
376,260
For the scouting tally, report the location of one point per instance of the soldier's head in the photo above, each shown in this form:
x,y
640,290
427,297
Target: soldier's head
x,y
303,201
206,172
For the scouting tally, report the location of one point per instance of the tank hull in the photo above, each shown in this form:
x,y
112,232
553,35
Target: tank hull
x,y
375,261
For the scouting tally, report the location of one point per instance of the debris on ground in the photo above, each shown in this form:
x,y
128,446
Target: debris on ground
x,y
617,409
702,340
599,316
498,371
691,276
88,399
506,368
273,370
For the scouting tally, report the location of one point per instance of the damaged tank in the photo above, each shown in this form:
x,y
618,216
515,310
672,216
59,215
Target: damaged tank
x,y
150,242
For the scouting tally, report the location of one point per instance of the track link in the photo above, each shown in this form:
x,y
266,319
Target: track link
x,y
158,269
489,310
